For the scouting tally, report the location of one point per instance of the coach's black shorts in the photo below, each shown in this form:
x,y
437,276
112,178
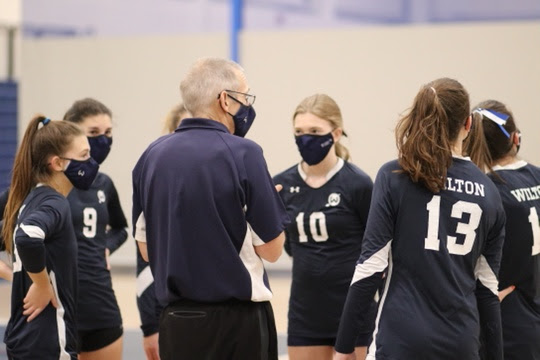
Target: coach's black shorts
x,y
92,340
229,330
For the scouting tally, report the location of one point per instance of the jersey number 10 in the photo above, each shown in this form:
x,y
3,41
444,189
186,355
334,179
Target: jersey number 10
x,y
318,233
432,241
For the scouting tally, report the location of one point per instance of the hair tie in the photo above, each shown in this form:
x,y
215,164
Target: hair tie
x,y
497,117
43,122
433,89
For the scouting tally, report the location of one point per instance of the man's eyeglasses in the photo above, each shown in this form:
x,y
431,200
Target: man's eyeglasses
x,y
249,99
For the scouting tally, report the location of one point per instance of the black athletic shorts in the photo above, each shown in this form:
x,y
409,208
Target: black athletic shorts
x,y
92,340
228,330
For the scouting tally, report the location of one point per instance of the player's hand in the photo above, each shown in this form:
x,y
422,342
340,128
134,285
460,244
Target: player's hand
x,y
5,271
151,346
340,356
505,292
279,187
107,253
37,298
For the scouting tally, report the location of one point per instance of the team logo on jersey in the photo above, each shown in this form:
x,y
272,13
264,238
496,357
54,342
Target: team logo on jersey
x,y
294,189
333,199
101,196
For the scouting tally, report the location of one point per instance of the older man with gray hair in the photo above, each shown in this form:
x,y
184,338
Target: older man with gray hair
x,y
206,212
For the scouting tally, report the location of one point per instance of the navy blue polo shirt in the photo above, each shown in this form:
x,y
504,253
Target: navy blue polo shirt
x,y
202,200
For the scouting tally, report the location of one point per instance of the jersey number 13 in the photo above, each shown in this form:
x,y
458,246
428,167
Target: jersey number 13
x,y
468,229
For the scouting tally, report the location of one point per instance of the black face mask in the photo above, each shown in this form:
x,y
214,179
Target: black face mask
x,y
243,119
100,147
81,173
314,148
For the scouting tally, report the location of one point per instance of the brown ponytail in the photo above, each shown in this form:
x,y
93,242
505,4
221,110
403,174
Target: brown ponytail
x,y
475,144
495,144
323,106
425,135
43,138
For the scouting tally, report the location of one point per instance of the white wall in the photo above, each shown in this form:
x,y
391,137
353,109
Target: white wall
x,y
10,16
372,72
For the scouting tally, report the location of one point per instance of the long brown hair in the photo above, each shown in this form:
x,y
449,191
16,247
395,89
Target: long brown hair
x,y
424,136
83,108
323,106
42,139
487,142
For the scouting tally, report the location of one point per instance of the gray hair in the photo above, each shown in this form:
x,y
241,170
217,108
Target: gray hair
x,y
206,79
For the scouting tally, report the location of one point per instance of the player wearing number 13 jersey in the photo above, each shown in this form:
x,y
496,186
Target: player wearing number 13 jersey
x,y
519,185
328,200
436,223
100,227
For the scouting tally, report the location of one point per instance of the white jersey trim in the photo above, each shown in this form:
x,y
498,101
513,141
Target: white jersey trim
x,y
329,175
466,158
144,280
485,274
255,267
140,229
376,263
373,346
33,231
60,322
513,166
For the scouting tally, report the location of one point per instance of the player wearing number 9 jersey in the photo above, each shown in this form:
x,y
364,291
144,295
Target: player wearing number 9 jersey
x,y
519,185
436,223
100,227
329,199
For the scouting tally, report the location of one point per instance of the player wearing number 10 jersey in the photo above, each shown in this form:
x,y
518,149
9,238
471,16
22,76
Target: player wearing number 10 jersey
x,y
519,185
436,223
328,200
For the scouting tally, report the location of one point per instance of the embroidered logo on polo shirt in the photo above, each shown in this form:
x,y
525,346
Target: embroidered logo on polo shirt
x,y
295,189
101,196
333,199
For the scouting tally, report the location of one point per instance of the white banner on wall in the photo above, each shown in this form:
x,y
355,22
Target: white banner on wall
x,y
153,17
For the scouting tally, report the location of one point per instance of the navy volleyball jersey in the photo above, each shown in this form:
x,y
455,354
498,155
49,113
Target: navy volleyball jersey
x,y
442,252
325,241
519,186
44,237
149,308
200,191
99,223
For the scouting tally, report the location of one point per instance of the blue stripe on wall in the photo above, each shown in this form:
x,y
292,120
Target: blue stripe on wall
x,y
8,130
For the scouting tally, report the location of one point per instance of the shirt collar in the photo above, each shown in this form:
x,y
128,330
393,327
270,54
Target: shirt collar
x,y
330,174
513,166
466,158
200,123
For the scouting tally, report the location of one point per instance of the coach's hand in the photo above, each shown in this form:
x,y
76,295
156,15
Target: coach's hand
x,y
151,346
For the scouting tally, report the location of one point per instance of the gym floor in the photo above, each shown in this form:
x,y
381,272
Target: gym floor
x,y
125,289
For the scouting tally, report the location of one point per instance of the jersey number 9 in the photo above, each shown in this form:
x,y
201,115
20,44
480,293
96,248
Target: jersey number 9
x,y
90,222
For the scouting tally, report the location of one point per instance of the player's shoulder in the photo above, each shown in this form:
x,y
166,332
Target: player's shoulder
x,y
354,172
390,167
47,197
286,174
